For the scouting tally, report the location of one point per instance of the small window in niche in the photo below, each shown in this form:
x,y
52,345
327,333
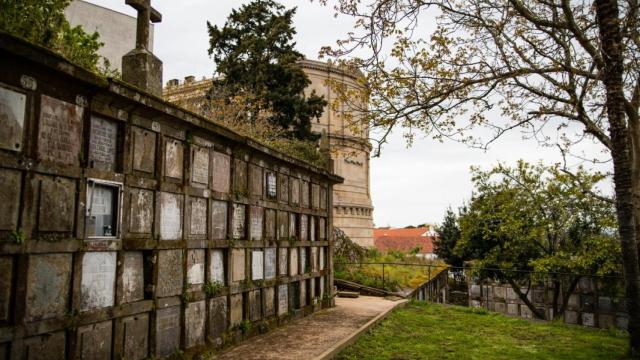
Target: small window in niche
x,y
103,209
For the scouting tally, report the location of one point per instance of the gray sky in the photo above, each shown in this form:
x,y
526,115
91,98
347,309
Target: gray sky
x,y
408,186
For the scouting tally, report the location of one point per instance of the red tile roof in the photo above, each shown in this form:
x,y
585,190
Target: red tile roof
x,y
403,239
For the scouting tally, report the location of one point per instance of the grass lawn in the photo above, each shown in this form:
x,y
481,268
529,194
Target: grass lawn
x,y
431,331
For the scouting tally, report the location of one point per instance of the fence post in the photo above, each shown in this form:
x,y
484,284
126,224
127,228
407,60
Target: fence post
x,y
382,275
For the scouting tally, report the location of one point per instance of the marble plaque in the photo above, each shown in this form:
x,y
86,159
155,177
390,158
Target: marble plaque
x,y
270,263
98,280
240,176
255,180
198,217
10,189
283,225
170,216
216,266
292,226
270,224
255,218
283,299
255,305
283,259
195,266
221,172
200,166
95,341
304,227
304,194
195,317
50,346
295,190
257,265
238,267
144,150
167,331
283,190
57,203
59,131
322,229
103,143
313,259
48,286
141,216
321,258
219,220
132,277
303,261
235,309
12,113
312,228
293,261
217,319
169,273
6,280
173,159
134,336
238,221
315,196
271,185
321,294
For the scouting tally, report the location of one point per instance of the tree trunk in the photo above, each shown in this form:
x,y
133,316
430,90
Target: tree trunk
x,y
536,312
565,295
611,49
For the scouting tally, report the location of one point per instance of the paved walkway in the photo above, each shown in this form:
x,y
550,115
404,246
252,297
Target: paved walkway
x,y
314,336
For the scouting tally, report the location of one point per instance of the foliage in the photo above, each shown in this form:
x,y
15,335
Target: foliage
x,y
432,331
256,58
44,23
18,236
213,288
345,250
448,236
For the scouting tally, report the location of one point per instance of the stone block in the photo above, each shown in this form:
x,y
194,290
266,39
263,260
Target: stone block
x,y
588,302
303,294
499,292
235,309
10,189
257,265
195,268
169,273
171,216
98,280
283,299
538,296
474,291
238,265
270,224
221,172
240,176
6,285
219,220
323,198
475,303
525,312
588,319
586,285
293,226
283,188
13,107
304,264
198,218
238,221
304,227
94,341
322,229
295,190
304,194
173,159
195,317
574,302
512,309
270,263
605,304
255,219
45,347
144,150
200,166
293,261
511,295
312,229
255,180
321,258
315,196
283,225
132,277
216,266
271,185
57,203
322,288
622,322
283,260
134,333
255,305
500,307
269,295
217,319
141,211
313,259
48,286
103,143
570,317
605,321
59,131
167,331
143,70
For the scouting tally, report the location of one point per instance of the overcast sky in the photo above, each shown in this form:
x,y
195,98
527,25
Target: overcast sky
x,y
408,186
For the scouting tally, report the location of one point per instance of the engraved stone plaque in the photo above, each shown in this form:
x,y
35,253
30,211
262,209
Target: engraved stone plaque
x,y
323,198
141,216
257,265
217,318
174,156
313,259
200,166
195,317
132,277
235,309
240,176
283,259
270,262
255,180
295,190
95,341
219,220
312,230
10,186
216,266
48,281
321,258
12,114
315,196
271,185
304,194
270,224
57,203
293,261
283,225
292,226
303,260
60,131
169,273
238,261
198,217
167,331
221,172
303,293
283,191
195,267
255,305
304,227
50,346
269,295
283,299
256,222
103,143
144,150
322,229
6,268
170,216
321,294
135,336
238,221
98,280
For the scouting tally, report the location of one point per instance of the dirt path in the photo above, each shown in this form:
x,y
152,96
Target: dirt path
x,y
310,337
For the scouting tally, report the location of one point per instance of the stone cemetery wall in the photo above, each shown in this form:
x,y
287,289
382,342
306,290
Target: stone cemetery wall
x,y
595,302
131,229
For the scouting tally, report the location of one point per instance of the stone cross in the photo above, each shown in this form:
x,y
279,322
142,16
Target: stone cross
x,y
145,14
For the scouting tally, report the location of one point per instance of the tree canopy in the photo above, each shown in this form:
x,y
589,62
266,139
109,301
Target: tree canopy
x,y
255,56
